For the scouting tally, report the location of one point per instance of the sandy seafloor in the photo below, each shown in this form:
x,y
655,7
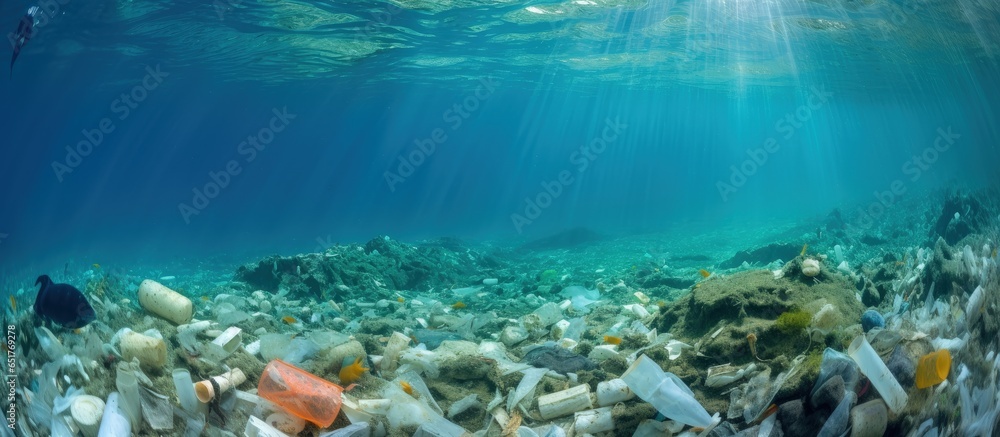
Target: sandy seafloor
x,y
454,319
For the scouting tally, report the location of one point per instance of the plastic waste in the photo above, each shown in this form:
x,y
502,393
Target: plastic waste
x,y
594,421
205,390
301,393
527,385
185,391
223,345
933,368
157,409
974,309
115,420
151,352
259,428
354,430
836,363
439,427
565,402
286,423
839,419
666,392
164,302
871,365
86,411
612,392
127,384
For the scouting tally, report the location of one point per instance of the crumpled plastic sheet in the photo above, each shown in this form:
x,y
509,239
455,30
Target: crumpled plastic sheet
x,y
156,409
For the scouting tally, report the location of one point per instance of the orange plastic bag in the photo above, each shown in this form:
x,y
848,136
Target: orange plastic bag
x,y
301,393
933,368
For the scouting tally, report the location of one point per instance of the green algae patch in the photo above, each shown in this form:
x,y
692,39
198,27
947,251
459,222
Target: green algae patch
x,y
794,321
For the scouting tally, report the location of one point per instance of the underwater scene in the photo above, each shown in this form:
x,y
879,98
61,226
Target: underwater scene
x,y
541,218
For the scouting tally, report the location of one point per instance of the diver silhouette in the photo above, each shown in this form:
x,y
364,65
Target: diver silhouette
x,y
24,30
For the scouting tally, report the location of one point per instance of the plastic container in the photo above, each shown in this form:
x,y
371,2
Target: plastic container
x,y
185,391
224,345
974,309
594,421
612,392
87,411
562,403
872,366
164,302
226,381
300,393
151,352
114,421
933,368
666,392
128,393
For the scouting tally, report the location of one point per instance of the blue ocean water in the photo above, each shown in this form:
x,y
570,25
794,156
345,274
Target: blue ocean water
x,y
848,94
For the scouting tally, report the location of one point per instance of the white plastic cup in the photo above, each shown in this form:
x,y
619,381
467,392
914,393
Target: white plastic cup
x,y
666,392
594,421
612,392
877,372
151,352
87,411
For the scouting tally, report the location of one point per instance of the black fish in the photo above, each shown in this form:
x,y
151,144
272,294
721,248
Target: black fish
x,y
62,304
25,28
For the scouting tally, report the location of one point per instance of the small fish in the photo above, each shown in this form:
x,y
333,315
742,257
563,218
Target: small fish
x,y
62,304
994,253
704,273
458,305
406,387
804,247
97,266
13,304
205,299
25,29
400,299
351,370
289,320
610,339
